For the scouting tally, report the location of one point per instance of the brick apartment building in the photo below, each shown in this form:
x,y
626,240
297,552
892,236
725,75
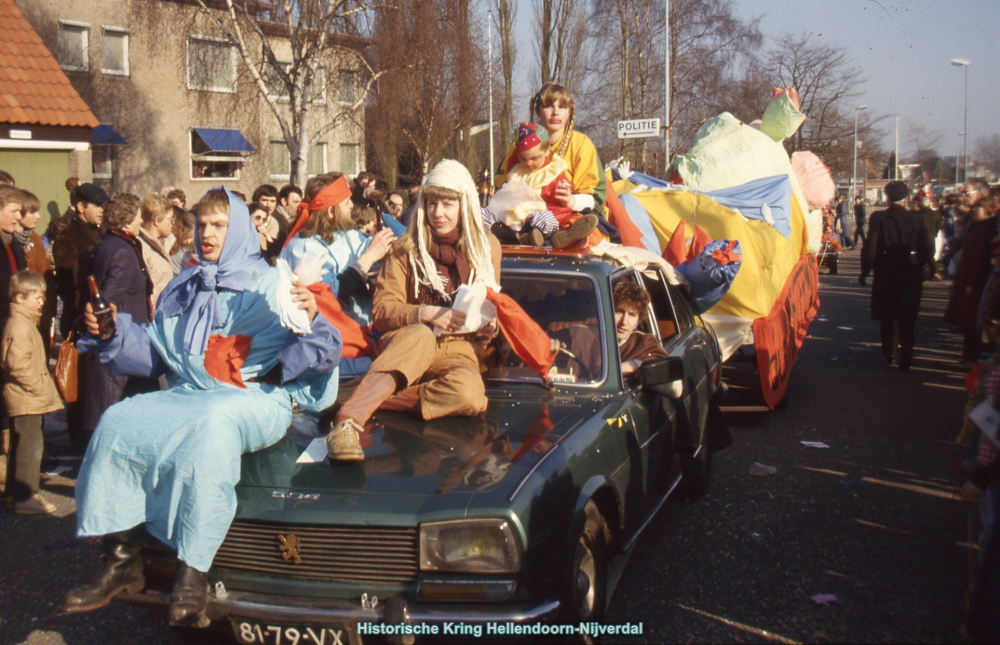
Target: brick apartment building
x,y
175,103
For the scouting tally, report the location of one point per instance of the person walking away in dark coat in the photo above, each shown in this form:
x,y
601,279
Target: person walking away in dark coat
x,y
120,272
860,220
841,221
973,271
896,250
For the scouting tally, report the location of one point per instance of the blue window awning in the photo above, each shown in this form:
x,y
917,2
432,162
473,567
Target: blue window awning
x,y
231,141
105,135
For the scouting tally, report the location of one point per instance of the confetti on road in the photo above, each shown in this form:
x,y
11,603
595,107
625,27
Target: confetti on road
x,y
760,470
824,598
814,444
846,328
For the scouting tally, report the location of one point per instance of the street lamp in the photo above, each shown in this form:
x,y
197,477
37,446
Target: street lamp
x,y
961,134
958,62
854,180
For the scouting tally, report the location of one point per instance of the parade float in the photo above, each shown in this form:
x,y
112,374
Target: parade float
x,y
737,183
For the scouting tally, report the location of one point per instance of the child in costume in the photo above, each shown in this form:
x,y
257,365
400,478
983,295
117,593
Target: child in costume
x,y
416,371
169,461
544,173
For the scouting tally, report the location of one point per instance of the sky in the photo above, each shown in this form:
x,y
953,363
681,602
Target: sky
x,y
903,47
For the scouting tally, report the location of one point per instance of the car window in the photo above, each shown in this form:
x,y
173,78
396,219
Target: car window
x,y
682,309
659,299
565,306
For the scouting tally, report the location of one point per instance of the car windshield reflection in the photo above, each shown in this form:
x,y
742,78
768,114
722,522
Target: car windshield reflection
x,y
565,307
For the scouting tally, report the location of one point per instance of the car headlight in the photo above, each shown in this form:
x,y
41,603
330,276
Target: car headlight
x,y
469,546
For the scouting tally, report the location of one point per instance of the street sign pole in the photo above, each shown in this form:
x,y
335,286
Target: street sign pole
x,y
666,87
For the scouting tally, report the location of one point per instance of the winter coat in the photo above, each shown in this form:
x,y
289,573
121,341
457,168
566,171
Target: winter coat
x,y
973,272
28,387
158,263
896,250
118,269
71,252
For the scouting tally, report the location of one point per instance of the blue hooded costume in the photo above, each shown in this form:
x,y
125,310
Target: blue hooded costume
x,y
171,459
336,256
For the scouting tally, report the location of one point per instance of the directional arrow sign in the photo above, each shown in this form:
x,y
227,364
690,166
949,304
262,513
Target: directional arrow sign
x,y
638,128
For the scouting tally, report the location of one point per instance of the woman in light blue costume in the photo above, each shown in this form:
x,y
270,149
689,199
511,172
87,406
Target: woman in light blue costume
x,y
169,461
325,231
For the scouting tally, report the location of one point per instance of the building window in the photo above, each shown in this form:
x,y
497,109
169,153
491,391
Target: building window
x,y
114,51
350,158
211,65
103,167
74,44
207,163
281,162
348,89
276,85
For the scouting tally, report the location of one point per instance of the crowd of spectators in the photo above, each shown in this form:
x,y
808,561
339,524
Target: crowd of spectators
x,y
133,247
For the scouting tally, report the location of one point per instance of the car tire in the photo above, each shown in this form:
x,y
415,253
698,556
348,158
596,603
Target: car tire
x,y
832,264
697,473
585,586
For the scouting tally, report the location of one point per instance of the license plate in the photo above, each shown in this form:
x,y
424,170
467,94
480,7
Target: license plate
x,y
265,634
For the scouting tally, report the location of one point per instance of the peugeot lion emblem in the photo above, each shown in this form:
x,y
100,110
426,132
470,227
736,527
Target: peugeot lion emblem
x,y
291,547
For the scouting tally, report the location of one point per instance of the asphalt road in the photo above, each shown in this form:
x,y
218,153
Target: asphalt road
x,y
870,520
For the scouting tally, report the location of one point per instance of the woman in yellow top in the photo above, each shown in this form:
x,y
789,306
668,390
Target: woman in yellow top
x,y
554,108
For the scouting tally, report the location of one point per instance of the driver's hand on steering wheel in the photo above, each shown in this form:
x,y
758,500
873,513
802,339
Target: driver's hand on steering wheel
x,y
555,345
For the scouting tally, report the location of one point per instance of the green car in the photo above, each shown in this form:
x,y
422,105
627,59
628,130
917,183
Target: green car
x,y
508,518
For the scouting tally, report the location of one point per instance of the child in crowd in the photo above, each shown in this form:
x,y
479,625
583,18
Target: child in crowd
x,y
29,392
182,251
544,172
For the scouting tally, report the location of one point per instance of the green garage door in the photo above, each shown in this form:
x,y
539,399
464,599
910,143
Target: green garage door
x,y
43,172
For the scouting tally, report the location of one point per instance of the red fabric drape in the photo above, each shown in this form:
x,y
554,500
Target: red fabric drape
x,y
677,251
224,357
528,340
356,340
618,215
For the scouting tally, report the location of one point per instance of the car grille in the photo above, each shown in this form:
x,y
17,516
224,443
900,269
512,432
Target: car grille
x,y
337,553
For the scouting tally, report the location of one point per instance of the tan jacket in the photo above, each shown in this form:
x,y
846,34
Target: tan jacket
x,y
161,269
394,305
29,387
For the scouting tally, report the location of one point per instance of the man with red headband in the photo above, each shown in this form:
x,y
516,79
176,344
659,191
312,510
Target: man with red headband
x,y
324,232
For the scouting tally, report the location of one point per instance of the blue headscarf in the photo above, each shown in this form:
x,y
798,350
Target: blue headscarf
x,y
239,265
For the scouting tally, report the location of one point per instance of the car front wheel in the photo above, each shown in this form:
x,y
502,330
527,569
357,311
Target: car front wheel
x,y
585,585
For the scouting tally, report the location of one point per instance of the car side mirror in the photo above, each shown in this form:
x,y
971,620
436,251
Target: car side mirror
x,y
665,376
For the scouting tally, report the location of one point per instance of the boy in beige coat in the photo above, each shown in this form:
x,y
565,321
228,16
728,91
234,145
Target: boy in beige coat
x,y
29,392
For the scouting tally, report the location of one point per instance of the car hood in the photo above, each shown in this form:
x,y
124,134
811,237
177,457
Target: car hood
x,y
408,456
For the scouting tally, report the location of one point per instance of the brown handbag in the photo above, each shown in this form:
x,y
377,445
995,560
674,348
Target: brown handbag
x,y
66,366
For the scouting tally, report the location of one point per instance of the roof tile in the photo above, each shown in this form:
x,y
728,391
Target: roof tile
x,y
35,89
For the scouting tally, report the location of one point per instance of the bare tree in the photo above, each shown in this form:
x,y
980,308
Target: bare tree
x,y
708,42
560,31
506,13
310,32
829,86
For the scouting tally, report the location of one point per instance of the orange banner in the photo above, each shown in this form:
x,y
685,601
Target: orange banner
x,y
779,335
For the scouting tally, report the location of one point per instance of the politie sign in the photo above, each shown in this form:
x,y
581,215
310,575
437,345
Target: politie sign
x,y
638,128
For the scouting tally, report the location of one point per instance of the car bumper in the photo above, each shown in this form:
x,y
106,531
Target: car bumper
x,y
290,610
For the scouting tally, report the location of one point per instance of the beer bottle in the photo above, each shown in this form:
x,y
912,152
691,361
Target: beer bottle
x,y
102,311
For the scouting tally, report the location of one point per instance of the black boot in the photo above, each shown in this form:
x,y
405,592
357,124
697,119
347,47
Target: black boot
x,y
121,571
504,234
189,598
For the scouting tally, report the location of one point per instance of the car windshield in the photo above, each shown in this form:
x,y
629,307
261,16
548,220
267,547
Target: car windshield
x,y
565,307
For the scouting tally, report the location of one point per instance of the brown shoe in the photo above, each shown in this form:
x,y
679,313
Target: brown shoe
x,y
343,444
34,506
533,237
578,230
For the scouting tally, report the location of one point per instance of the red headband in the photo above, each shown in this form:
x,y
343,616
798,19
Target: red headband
x,y
332,195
